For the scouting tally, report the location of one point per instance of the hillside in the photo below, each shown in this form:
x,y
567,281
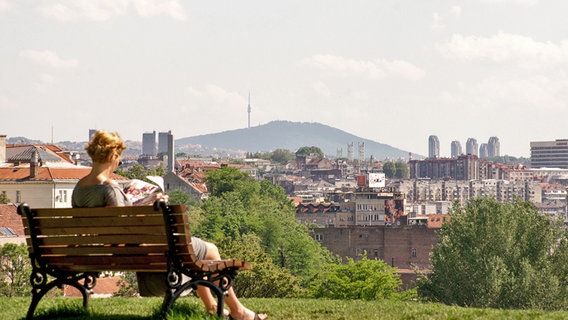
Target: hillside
x,y
292,136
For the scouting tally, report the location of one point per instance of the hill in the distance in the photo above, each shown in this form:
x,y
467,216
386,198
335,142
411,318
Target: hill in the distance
x,y
292,136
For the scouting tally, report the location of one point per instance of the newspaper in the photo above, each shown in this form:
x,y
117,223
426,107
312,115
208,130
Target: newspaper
x,y
141,193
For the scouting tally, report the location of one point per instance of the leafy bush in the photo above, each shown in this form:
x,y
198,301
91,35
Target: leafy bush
x,y
367,279
15,270
265,280
499,255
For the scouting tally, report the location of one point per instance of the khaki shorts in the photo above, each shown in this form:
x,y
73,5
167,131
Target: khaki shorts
x,y
153,284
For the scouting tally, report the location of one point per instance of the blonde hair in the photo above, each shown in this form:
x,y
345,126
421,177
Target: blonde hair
x,y
104,145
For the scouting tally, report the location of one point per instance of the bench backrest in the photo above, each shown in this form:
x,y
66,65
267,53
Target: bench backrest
x,y
109,238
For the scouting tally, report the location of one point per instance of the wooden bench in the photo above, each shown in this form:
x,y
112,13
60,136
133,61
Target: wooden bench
x,y
72,246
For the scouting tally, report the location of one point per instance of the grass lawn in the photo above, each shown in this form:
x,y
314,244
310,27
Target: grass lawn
x,y
304,309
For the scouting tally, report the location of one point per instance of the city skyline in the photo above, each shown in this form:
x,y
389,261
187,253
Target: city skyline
x,y
392,72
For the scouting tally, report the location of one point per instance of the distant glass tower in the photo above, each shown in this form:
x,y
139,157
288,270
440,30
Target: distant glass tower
x,y
456,149
149,143
493,146
433,147
483,151
92,133
471,147
163,138
166,148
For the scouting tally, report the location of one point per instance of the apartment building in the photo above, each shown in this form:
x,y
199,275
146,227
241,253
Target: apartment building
x,y
549,154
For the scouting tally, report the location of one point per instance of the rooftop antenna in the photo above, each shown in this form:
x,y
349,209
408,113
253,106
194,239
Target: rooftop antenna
x,y
249,112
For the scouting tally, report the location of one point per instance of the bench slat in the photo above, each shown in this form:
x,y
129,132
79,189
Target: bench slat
x,y
96,222
109,230
104,239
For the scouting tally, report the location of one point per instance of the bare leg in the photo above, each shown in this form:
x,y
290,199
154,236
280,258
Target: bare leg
x,y
238,311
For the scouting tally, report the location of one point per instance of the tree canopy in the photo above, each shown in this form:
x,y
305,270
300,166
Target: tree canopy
x,y
239,206
499,255
307,151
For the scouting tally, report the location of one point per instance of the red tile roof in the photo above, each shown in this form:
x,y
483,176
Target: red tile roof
x,y
105,286
47,174
9,218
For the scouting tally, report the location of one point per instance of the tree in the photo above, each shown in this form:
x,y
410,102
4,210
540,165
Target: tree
x,y
4,198
310,151
365,280
282,156
15,270
499,255
239,206
401,170
389,168
225,179
265,279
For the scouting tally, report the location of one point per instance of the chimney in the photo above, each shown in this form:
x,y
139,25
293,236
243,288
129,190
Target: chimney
x,y
34,164
2,148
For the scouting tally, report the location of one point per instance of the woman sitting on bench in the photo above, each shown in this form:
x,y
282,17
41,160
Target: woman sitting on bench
x,y
98,190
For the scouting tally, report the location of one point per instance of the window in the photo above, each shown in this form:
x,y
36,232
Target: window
x,y
18,196
318,237
413,253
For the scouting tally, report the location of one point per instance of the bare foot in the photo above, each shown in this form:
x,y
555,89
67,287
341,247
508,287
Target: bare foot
x,y
250,315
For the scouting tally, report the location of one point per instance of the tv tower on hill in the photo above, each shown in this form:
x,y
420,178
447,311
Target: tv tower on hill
x,y
249,112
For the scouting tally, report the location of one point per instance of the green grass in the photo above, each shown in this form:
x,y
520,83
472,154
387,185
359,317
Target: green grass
x,y
296,309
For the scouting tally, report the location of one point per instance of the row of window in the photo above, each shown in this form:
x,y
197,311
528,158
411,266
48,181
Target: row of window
x,y
319,237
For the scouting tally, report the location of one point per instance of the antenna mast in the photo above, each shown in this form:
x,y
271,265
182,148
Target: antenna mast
x,y
249,112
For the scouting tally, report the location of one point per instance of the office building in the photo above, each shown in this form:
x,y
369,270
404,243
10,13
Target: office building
x,y
149,143
456,148
493,146
163,142
483,151
92,133
471,147
549,154
433,147
166,148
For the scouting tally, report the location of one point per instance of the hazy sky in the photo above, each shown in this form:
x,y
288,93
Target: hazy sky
x,y
391,71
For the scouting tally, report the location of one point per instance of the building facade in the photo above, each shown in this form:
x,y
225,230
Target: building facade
x,y
471,147
433,147
149,144
549,154
456,149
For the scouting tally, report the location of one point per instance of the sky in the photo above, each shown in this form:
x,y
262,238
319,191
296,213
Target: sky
x,y
392,71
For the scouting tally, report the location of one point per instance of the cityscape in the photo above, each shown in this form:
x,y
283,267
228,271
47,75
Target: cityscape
x,y
408,154
329,193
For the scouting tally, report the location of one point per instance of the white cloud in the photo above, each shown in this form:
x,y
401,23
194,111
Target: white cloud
x,y
517,2
45,82
103,10
505,47
516,97
321,89
374,69
194,92
214,95
4,6
456,11
437,23
49,58
148,8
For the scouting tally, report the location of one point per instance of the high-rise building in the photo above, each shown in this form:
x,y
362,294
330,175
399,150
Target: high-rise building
x,y
493,146
549,154
91,133
163,142
149,143
433,147
483,152
456,148
471,147
166,148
